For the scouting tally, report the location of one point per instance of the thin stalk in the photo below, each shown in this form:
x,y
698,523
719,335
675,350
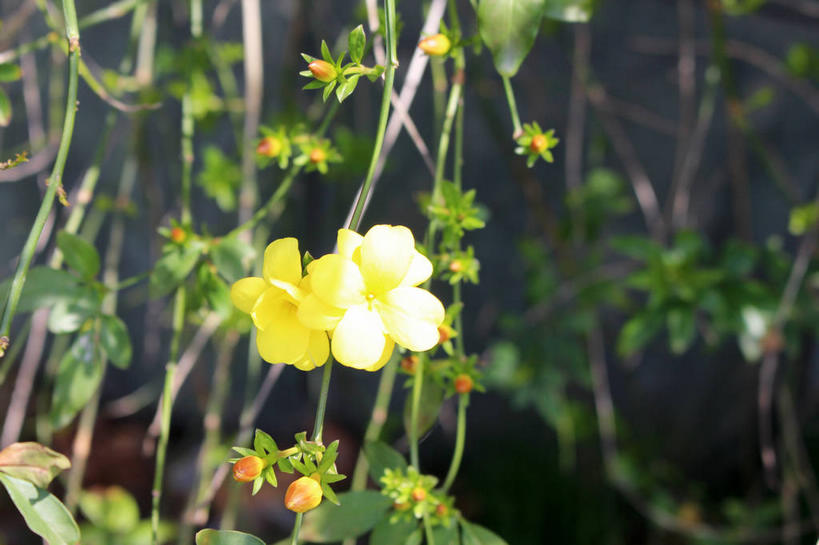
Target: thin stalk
x,y
294,537
513,107
318,425
428,531
417,386
55,180
457,456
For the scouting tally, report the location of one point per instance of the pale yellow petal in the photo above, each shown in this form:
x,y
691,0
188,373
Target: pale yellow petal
x,y
244,292
318,350
285,340
389,346
411,316
337,281
386,253
358,340
294,293
270,303
419,271
317,315
282,261
349,244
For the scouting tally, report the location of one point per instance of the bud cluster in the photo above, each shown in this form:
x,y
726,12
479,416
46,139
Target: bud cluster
x,y
535,143
414,496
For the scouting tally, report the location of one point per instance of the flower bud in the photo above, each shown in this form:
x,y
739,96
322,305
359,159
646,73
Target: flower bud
x,y
463,384
302,495
441,510
178,235
445,333
317,155
322,70
456,266
269,146
400,506
410,364
418,494
539,143
248,469
436,45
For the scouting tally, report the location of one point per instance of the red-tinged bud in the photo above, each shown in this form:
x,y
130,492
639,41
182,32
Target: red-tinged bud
x,y
539,143
317,155
418,494
269,146
248,469
463,384
302,495
456,266
436,45
322,70
441,510
410,364
445,333
178,235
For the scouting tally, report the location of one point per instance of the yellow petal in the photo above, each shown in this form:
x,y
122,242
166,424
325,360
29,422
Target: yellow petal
x,y
386,253
389,346
419,271
294,293
349,244
317,315
244,292
411,317
282,261
337,281
270,303
285,340
318,350
358,340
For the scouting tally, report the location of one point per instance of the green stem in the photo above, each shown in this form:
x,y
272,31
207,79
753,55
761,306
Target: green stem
x,y
417,387
318,426
55,180
513,107
294,537
428,531
457,456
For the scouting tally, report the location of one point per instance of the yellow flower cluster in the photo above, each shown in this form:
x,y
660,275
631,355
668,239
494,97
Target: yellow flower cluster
x,y
365,299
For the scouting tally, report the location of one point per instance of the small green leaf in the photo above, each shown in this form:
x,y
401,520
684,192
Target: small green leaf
x,y
270,476
325,53
231,257
112,509
681,328
69,316
45,287
329,493
478,535
263,441
509,28
5,109
32,462
637,332
449,535
328,90
346,89
432,396
79,254
78,377
226,537
220,178
357,514
381,456
10,72
44,514
329,457
395,533
355,43
115,340
569,11
172,268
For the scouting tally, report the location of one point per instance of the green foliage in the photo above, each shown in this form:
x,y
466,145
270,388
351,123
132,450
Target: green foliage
x,y
44,514
569,11
226,537
114,341
220,178
395,532
802,61
32,462
18,159
78,377
9,72
357,513
381,457
509,28
803,218
478,535
174,266
741,7
232,257
5,109
79,254
432,396
113,519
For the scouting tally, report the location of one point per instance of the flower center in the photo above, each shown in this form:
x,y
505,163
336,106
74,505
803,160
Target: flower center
x,y
370,297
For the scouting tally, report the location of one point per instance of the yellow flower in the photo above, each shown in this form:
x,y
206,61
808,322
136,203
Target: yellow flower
x,y
367,296
273,302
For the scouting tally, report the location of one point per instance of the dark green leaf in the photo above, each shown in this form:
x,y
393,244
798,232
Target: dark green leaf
x,y
44,514
509,28
478,535
45,287
569,11
5,109
356,42
381,456
358,513
395,533
449,535
115,340
637,332
681,328
232,258
78,377
32,462
10,72
226,537
172,268
432,396
79,254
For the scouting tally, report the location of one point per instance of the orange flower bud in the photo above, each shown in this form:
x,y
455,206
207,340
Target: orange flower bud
x,y
539,143
418,494
270,146
410,364
248,468
456,266
302,495
441,510
445,333
436,45
317,155
178,235
463,384
322,70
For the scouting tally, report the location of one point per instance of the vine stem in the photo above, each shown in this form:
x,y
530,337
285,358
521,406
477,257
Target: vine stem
x,y
457,455
55,180
513,107
417,385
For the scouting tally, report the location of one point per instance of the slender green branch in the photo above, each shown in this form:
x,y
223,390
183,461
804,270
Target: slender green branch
x,y
513,107
457,456
318,426
417,387
294,537
428,531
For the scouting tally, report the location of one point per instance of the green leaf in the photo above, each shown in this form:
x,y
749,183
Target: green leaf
x,y
681,328
78,377
172,268
637,332
44,514
329,457
432,396
112,509
32,462
478,535
448,535
263,441
328,90
636,246
395,533
346,89
79,254
10,72
226,537
355,43
220,178
45,287
381,456
509,28
232,257
569,11
115,340
325,53
69,316
5,109
357,514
